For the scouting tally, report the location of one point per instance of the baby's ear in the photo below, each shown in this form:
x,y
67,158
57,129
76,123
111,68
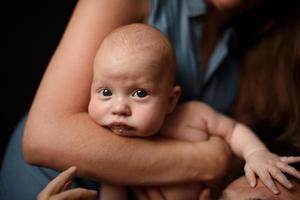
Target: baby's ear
x,y
173,98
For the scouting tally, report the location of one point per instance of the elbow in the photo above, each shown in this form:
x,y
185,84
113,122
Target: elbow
x,y
34,143
30,145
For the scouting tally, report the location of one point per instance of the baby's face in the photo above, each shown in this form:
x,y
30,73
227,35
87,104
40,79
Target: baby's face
x,y
129,94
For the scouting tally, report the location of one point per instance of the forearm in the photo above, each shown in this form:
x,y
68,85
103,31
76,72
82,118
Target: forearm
x,y
100,155
244,142
97,153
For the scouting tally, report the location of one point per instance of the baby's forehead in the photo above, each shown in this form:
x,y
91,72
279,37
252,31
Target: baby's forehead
x,y
142,41
137,37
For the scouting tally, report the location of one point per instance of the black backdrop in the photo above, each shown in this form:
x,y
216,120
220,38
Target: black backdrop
x,y
30,32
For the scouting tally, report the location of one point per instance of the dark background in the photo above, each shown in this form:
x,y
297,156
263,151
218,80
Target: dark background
x,y
30,32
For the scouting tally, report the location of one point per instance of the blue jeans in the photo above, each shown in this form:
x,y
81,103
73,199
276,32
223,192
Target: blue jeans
x,y
21,181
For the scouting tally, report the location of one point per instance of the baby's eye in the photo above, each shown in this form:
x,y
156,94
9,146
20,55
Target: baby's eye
x,y
105,92
140,93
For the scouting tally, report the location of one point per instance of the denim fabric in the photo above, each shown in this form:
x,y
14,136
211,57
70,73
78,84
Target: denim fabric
x,y
182,22
20,181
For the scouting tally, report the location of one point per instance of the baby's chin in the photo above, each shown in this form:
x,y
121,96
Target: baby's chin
x,y
123,132
130,132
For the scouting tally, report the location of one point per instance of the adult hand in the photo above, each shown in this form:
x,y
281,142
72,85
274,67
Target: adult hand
x,y
59,188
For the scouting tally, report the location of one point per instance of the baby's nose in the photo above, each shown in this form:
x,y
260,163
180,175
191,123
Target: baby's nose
x,y
121,108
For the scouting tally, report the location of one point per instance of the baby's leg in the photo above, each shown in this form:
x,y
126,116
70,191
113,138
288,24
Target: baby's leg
x,y
190,191
112,192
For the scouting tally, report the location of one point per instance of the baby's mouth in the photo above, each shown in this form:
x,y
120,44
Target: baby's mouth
x,y
121,128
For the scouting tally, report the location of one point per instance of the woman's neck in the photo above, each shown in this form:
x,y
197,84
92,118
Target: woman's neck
x,y
214,25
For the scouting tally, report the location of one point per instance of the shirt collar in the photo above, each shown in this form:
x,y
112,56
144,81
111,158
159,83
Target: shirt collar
x,y
196,8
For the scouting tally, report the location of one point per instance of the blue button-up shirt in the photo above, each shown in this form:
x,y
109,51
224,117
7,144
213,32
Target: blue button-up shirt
x,y
181,21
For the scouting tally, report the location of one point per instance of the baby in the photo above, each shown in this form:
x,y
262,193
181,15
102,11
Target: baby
x,y
133,91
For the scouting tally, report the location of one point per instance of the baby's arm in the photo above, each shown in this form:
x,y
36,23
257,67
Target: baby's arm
x,y
245,144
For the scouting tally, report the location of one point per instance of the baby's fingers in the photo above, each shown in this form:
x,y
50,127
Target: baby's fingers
x,y
290,159
280,177
288,169
250,175
268,181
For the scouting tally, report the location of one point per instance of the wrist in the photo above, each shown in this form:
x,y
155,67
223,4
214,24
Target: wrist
x,y
249,153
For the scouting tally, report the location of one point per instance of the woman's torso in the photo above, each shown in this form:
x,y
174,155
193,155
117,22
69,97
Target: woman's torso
x,y
182,22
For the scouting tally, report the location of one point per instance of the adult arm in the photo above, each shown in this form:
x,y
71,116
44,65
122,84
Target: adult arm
x,y
59,132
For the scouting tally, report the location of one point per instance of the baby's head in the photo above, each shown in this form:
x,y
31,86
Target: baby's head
x,y
133,84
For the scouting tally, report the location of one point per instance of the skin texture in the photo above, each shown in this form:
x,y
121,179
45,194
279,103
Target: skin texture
x,y
239,189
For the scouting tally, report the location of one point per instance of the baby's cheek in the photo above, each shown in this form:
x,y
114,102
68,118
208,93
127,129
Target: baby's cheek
x,y
151,121
94,112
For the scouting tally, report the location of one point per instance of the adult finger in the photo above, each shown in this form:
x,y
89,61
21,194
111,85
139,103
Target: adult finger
x,y
250,176
59,182
76,194
67,186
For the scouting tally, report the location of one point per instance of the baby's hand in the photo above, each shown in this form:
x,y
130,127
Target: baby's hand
x,y
268,166
59,188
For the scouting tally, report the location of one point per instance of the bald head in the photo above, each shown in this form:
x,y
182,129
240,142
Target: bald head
x,y
240,189
142,41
